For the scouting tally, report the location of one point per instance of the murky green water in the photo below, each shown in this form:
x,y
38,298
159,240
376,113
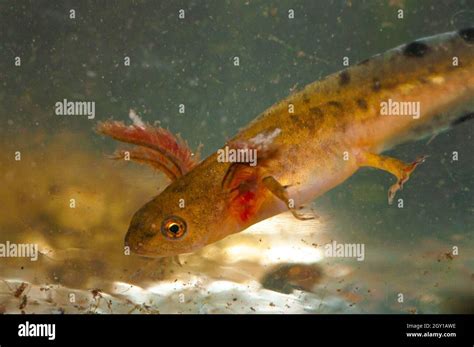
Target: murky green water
x,y
277,265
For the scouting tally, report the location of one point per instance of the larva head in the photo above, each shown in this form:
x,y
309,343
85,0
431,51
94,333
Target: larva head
x,y
185,217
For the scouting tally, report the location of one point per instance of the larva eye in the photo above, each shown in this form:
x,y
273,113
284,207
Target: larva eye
x,y
173,228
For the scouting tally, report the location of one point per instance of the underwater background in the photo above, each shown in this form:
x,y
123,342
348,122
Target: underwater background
x,y
276,266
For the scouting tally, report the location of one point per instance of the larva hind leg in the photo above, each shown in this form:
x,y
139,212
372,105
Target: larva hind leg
x,y
396,167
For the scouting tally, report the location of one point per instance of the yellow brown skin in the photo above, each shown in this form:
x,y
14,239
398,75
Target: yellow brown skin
x,y
334,119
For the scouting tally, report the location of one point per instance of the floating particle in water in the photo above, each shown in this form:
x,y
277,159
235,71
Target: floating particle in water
x,y
21,288
287,277
24,302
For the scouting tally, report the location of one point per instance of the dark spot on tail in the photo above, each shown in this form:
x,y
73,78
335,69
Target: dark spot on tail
x,y
463,119
297,121
344,78
316,111
333,108
362,104
415,49
467,34
335,104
